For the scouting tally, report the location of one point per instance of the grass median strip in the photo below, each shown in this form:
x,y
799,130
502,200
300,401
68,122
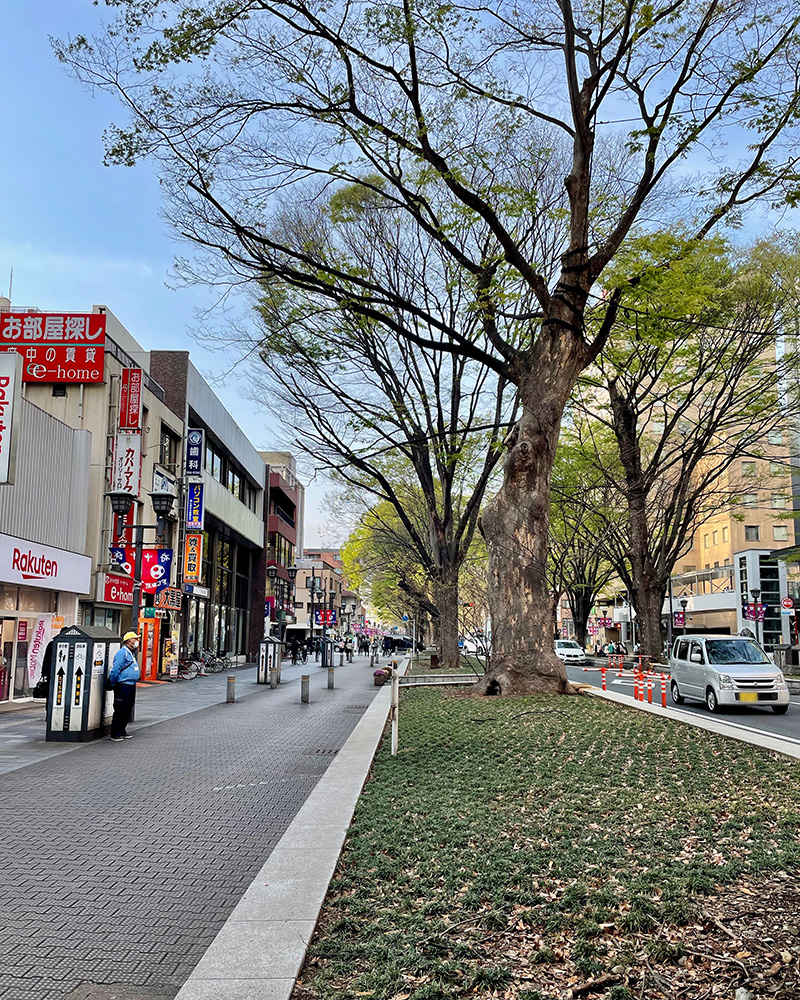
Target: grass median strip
x,y
559,847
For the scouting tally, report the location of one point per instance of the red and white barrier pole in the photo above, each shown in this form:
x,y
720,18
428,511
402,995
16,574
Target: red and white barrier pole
x,y
649,690
663,690
635,687
603,675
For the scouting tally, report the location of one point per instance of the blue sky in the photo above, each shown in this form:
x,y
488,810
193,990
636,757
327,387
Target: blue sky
x,y
78,233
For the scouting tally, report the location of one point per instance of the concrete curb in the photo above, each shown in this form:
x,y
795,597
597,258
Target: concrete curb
x,y
260,949
785,745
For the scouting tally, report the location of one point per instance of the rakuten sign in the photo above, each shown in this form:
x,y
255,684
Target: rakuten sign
x,y
33,565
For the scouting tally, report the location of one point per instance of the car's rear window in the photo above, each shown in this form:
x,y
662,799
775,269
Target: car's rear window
x,y
735,651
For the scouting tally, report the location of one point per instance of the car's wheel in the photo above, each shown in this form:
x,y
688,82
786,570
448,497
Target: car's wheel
x,y
677,697
711,700
780,709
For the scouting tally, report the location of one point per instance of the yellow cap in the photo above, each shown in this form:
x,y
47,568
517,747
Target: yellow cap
x,y
130,635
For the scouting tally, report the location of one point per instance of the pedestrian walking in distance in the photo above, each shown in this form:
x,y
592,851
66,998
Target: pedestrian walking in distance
x,y
123,677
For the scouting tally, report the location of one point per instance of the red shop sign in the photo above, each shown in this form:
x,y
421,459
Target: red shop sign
x,y
59,362
130,400
118,590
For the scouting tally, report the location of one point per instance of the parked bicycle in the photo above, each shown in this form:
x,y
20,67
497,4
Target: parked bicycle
x,y
188,669
217,662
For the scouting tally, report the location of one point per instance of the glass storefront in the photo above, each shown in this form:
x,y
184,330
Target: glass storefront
x,y
220,623
20,608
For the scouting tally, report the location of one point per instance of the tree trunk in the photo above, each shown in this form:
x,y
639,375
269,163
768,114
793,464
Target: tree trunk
x,y
581,602
515,524
445,595
650,601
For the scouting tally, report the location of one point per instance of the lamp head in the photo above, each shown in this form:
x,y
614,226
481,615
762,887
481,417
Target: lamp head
x,y
162,502
292,571
120,501
272,571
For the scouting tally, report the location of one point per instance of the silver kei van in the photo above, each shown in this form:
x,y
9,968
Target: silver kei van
x,y
725,670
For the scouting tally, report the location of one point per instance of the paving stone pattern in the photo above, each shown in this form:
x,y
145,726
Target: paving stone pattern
x,y
123,860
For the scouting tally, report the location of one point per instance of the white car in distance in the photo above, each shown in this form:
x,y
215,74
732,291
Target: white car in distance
x,y
570,652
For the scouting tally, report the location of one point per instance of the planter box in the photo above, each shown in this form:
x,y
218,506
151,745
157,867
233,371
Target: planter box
x,y
379,681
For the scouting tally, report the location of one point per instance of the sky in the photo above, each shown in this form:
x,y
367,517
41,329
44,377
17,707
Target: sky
x,y
77,233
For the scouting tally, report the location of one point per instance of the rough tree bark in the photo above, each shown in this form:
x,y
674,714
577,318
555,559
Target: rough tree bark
x,y
445,595
516,525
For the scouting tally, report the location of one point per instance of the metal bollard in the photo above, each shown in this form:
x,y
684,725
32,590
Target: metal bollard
x,y
304,689
371,660
330,678
341,657
273,678
231,697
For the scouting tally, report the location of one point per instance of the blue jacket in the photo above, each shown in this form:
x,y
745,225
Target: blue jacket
x,y
125,669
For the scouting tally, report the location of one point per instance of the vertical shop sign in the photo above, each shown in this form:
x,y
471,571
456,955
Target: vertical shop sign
x,y
194,506
130,400
10,386
194,452
42,631
192,558
127,463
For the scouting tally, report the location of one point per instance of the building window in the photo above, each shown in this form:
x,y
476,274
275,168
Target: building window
x,y
705,541
778,501
777,469
780,532
715,538
213,461
688,569
724,534
168,448
751,532
775,437
748,469
750,500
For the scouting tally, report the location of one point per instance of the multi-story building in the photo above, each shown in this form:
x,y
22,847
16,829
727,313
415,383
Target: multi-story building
x,y
74,368
225,611
284,517
324,567
733,552
43,519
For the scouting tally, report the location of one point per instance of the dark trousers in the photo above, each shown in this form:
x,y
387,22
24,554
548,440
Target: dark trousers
x,y
124,695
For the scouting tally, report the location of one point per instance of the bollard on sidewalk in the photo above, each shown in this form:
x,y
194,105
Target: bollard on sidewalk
x,y
330,678
231,696
304,680
341,658
273,678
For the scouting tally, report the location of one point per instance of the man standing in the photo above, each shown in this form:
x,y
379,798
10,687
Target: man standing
x,y
123,677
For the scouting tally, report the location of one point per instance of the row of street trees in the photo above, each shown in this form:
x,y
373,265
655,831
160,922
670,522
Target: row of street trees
x,y
514,154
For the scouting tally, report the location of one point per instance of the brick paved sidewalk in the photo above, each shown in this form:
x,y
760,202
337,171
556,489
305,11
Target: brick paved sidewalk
x,y
123,860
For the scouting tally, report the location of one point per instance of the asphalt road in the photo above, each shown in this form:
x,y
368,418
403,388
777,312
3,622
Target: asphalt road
x,y
760,719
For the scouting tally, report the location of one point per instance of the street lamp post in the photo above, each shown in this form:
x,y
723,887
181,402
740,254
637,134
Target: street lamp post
x,y
322,596
755,593
684,604
281,590
162,504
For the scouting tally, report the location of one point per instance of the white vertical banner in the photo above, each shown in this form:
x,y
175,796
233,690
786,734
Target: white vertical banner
x,y
42,631
127,463
10,388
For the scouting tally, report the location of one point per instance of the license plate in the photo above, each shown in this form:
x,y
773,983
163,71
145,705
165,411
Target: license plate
x,y
748,696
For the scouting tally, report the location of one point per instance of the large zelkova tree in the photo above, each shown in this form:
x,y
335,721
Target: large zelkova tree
x,y
421,430
381,563
696,378
634,109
